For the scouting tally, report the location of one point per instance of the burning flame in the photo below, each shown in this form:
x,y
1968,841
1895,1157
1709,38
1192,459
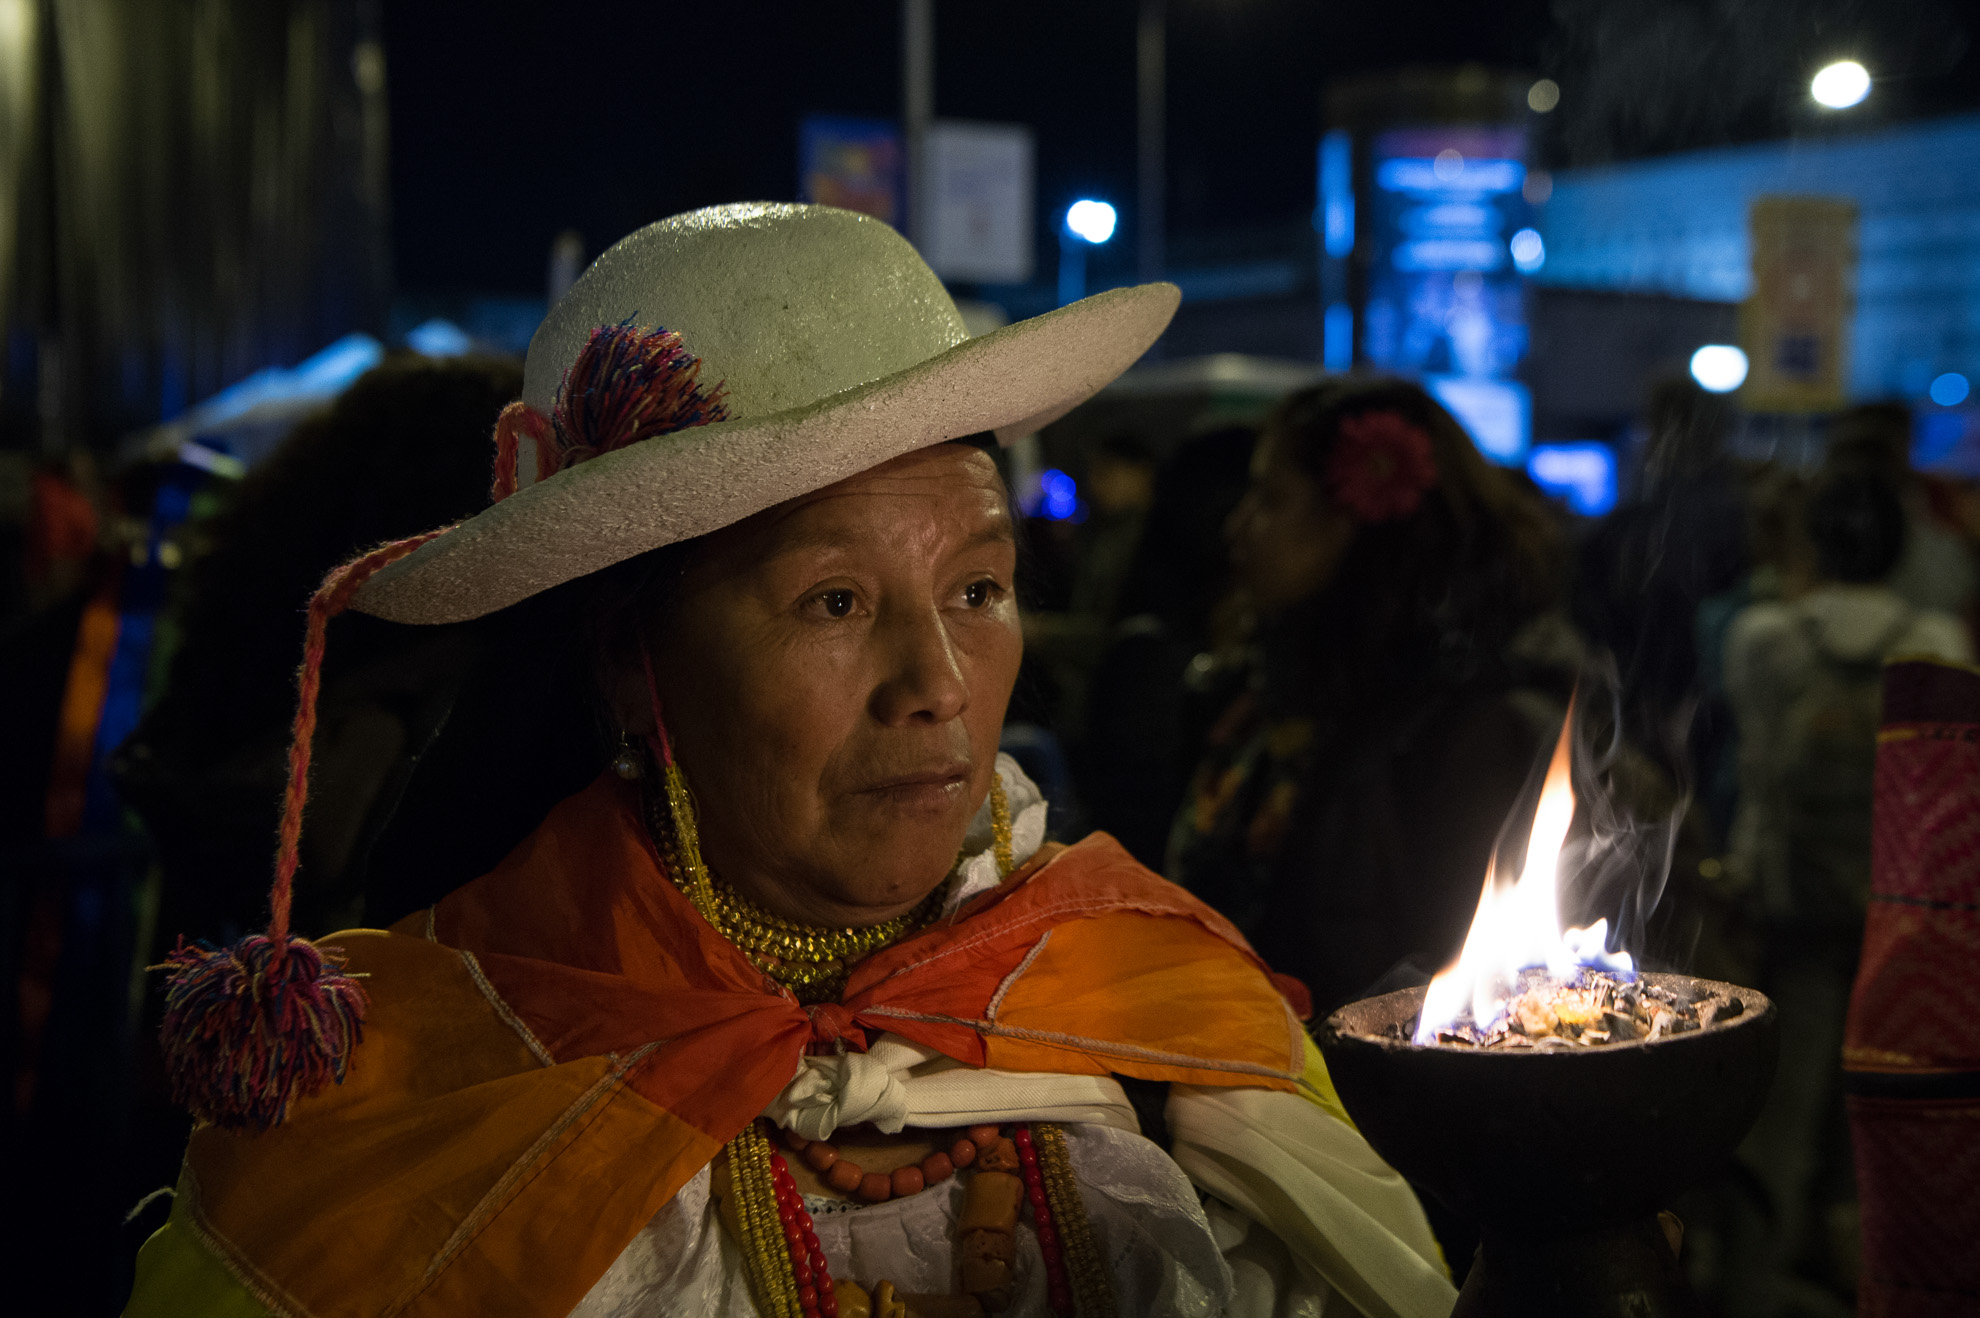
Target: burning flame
x,y
1518,925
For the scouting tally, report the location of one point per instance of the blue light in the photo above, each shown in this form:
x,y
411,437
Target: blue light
x,y
1497,414
1583,474
1060,500
1337,337
1448,254
1337,192
333,368
1529,251
1950,389
323,375
1091,220
1416,174
439,337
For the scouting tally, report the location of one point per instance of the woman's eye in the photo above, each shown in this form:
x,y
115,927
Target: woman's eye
x,y
837,603
979,593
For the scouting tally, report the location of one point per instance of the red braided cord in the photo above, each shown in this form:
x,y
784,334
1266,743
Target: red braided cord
x,y
330,599
663,743
519,421
504,483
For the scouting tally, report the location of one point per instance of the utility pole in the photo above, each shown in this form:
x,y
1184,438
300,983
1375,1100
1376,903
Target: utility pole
x,y
917,108
1151,88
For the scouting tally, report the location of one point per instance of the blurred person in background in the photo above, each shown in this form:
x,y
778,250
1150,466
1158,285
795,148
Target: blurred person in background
x,y
1937,570
1079,567
1347,805
1804,678
406,447
1120,484
1165,673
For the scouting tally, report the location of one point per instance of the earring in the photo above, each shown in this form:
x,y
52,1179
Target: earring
x,y
629,764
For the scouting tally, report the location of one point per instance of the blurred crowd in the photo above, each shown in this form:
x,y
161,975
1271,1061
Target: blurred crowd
x,y
1304,665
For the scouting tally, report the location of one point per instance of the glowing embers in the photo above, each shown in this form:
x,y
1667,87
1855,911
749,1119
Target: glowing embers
x,y
1595,1008
1517,930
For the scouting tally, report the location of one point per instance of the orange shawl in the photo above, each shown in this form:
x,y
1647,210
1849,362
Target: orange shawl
x,y
559,1046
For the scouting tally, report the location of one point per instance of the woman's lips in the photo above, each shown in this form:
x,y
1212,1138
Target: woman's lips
x,y
937,787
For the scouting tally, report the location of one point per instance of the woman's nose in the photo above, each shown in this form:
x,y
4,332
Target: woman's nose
x,y
923,677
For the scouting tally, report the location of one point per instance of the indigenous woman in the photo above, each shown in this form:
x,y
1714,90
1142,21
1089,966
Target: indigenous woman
x,y
792,1011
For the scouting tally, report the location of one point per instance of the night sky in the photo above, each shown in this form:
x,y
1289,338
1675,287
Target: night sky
x,y
513,122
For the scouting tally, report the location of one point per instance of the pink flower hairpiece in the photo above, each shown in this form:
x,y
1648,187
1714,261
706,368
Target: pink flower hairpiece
x,y
1380,467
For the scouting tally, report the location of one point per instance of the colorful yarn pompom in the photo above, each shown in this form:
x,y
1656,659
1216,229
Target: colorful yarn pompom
x,y
252,1027
1380,467
256,1026
626,385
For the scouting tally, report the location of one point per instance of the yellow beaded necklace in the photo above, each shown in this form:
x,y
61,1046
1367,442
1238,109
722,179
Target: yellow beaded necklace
x,y
812,961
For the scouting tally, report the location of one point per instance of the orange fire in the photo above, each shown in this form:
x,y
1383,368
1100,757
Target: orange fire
x,y
1518,925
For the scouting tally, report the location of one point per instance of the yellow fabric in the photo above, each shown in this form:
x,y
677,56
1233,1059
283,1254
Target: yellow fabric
x,y
177,1277
1317,1087
450,1143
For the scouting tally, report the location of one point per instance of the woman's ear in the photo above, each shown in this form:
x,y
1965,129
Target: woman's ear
x,y
621,681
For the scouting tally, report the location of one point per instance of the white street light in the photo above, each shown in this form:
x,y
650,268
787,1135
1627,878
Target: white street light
x,y
1841,85
1088,224
1719,368
1091,220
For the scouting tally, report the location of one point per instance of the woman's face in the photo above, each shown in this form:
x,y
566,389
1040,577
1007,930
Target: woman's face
x,y
834,673
1287,538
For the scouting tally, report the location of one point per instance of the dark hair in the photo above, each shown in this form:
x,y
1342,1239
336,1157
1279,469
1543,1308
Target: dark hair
x,y
1449,583
1873,436
1126,447
1687,430
1181,568
1856,524
405,449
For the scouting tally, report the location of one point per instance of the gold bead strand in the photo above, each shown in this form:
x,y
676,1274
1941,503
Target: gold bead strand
x,y
765,1250
1091,1286
699,884
1000,827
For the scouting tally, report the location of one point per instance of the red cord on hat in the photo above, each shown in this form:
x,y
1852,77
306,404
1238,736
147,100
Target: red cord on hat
x,y
252,1027
519,421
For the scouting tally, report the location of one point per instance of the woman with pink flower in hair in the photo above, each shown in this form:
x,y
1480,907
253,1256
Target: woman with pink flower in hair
x,y
1396,690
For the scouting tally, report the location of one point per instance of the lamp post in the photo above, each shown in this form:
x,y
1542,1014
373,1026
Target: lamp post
x,y
917,110
1151,137
1088,223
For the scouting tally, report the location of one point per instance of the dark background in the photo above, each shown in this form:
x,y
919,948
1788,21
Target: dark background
x,y
511,126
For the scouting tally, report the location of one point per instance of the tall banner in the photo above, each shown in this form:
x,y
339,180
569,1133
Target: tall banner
x,y
980,217
1795,323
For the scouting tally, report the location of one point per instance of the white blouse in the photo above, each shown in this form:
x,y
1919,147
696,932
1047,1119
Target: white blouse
x,y
1168,1249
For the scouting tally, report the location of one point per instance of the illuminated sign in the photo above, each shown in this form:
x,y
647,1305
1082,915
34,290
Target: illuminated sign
x,y
1450,245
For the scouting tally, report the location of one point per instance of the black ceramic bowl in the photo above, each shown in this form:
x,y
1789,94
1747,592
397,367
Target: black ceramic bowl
x,y
1563,1135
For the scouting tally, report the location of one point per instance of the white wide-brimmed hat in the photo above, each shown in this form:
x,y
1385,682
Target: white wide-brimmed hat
x,y
825,346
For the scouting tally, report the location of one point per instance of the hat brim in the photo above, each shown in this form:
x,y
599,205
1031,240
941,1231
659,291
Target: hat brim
x,y
678,486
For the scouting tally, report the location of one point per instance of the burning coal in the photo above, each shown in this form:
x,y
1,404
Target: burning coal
x,y
1523,974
